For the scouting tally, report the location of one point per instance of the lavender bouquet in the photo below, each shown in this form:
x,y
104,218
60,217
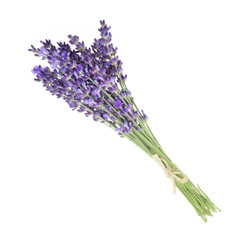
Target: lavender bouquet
x,y
91,80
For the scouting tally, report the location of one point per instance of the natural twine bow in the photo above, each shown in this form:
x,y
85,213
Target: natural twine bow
x,y
171,172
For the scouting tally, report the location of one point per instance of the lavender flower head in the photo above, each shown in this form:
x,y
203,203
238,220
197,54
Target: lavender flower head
x,y
90,80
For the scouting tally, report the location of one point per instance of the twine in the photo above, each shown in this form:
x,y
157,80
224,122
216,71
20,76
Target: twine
x,y
172,173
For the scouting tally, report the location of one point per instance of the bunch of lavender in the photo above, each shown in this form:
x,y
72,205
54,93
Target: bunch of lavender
x,y
91,80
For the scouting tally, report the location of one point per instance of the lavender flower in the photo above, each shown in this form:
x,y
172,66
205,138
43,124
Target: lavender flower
x,y
91,80
117,104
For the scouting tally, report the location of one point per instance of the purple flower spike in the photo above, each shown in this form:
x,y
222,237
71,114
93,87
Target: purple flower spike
x,y
88,79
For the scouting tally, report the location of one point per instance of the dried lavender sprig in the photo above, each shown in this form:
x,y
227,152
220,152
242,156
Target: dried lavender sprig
x,y
91,80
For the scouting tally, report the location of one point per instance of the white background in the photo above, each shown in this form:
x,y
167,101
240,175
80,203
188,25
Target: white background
x,y
64,176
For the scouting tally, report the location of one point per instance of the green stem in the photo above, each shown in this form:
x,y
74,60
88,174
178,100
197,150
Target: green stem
x,y
197,198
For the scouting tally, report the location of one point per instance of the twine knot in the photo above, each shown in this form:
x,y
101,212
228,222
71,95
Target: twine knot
x,y
172,173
